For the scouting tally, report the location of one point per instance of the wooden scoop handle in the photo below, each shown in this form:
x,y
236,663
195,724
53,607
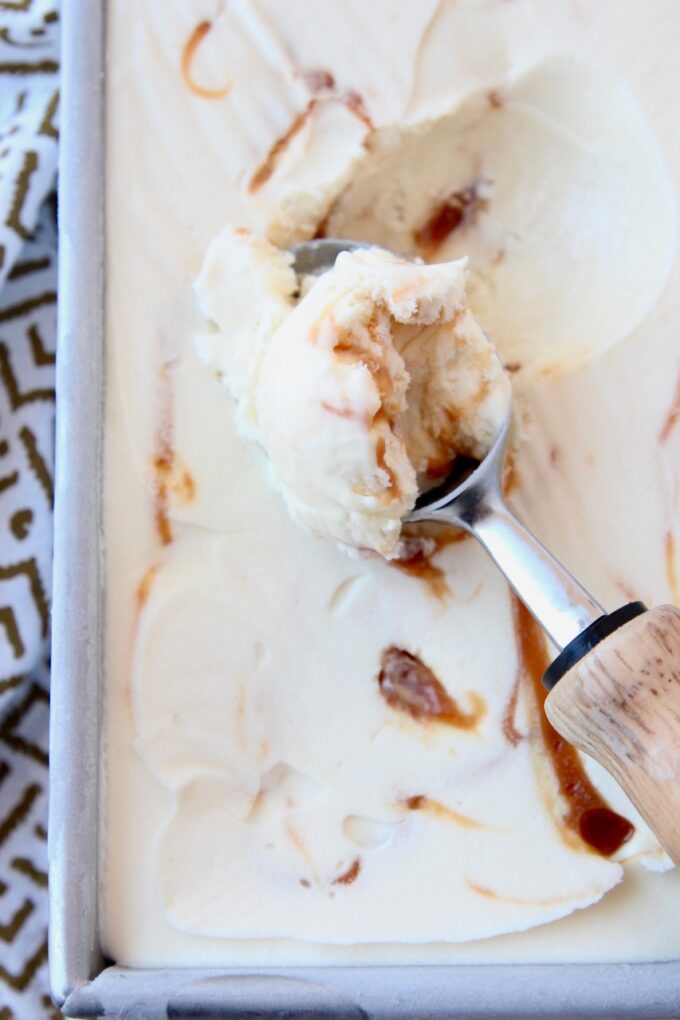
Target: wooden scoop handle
x,y
620,704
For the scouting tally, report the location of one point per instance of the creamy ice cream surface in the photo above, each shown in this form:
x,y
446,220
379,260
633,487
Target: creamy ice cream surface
x,y
312,757
367,388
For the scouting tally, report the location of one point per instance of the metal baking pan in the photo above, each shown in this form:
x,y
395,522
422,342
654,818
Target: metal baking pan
x,y
83,982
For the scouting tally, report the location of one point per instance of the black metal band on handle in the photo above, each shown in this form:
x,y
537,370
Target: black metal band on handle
x,y
588,639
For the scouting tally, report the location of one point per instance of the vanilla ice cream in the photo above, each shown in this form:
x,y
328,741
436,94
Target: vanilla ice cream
x,y
553,187
317,758
363,391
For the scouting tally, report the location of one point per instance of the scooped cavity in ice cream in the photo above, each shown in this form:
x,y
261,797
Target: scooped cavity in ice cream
x,y
554,188
363,391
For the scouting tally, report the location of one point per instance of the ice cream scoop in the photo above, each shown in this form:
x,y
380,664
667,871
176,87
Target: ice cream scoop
x,y
362,385
615,683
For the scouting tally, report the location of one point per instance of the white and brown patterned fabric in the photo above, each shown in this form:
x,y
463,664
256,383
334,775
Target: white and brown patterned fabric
x,y
24,993
29,97
28,153
29,62
27,337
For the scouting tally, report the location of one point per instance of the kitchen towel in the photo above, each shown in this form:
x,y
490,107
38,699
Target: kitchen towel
x,y
29,97
28,160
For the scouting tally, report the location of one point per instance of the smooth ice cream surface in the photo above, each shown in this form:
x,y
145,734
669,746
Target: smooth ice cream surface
x,y
363,391
311,757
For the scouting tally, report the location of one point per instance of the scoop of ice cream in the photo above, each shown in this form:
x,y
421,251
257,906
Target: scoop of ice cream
x,y
363,391
246,288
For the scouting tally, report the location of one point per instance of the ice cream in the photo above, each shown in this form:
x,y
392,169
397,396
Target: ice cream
x,y
363,391
552,185
316,758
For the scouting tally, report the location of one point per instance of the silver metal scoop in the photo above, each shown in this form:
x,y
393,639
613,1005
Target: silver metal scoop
x,y
472,499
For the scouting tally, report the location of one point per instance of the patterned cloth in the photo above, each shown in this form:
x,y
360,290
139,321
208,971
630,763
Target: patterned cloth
x,y
24,993
28,136
29,50
29,96
27,331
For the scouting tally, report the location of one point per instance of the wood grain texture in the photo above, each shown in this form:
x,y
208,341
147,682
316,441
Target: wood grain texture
x,y
621,705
